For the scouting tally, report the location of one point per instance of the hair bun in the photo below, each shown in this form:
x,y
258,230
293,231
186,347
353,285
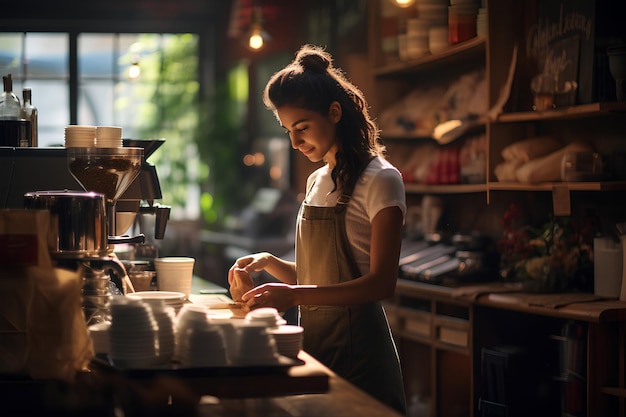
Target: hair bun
x,y
313,58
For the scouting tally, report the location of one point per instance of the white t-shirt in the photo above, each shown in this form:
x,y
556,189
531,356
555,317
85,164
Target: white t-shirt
x,y
380,186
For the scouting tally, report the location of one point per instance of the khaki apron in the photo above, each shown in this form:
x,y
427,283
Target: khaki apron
x,y
354,341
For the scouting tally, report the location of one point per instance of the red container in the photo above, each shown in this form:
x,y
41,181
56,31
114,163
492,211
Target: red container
x,y
461,27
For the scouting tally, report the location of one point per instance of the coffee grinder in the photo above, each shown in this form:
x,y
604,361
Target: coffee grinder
x,y
137,208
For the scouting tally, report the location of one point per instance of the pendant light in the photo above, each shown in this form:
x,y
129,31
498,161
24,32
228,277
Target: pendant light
x,y
257,36
403,3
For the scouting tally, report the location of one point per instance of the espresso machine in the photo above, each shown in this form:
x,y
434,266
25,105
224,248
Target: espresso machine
x,y
82,188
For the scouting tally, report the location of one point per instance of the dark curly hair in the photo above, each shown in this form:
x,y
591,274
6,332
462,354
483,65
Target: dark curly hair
x,y
311,82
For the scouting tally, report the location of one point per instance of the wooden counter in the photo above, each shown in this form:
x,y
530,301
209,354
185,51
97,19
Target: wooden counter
x,y
309,390
341,400
573,305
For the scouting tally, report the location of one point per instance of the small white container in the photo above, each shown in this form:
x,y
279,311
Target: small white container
x,y
607,267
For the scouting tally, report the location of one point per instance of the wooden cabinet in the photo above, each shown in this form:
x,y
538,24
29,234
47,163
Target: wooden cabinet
x,y
443,339
463,347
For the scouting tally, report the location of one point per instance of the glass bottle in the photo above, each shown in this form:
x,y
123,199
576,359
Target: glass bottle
x,y
29,112
9,102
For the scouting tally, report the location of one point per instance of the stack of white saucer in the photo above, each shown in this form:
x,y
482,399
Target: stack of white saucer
x,y
170,298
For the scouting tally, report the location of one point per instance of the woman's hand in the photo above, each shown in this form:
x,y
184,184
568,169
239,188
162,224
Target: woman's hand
x,y
277,295
254,262
280,269
239,282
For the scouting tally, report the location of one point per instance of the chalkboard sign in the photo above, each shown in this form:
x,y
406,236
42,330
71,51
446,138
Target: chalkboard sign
x,y
562,43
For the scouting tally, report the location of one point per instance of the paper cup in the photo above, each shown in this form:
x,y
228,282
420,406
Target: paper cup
x,y
174,274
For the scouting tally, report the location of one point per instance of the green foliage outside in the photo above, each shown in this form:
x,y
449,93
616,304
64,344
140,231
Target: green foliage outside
x,y
197,164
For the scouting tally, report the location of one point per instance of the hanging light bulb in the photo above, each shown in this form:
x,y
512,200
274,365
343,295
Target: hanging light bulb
x,y
403,3
257,35
256,38
134,71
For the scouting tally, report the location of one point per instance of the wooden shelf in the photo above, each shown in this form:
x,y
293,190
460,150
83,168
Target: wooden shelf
x,y
583,110
572,186
445,189
513,186
462,52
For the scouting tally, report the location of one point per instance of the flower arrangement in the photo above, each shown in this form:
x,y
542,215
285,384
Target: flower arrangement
x,y
555,257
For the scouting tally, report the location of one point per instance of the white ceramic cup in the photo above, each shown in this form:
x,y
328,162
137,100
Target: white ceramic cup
x,y
174,273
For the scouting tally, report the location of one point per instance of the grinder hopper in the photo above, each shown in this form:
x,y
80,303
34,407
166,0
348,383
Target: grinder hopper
x,y
108,171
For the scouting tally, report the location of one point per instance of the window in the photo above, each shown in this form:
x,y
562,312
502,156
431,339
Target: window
x,y
145,83
40,61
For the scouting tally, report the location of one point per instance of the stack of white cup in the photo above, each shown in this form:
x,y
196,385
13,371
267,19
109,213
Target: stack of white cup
x,y
199,342
80,136
109,137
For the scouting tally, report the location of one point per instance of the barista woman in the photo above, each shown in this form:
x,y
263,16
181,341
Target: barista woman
x,y
349,228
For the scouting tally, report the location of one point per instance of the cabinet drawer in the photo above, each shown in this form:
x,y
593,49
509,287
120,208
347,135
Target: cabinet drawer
x,y
452,331
417,322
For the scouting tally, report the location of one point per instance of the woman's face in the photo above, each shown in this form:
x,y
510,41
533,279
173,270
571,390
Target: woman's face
x,y
310,132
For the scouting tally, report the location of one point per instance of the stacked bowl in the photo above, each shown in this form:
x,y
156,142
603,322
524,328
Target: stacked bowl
x,y
288,339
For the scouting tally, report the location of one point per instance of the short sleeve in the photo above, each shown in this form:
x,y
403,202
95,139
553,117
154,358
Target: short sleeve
x,y
386,190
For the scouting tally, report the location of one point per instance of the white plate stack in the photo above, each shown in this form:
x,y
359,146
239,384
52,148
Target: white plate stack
x,y
80,136
134,334
170,298
288,339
